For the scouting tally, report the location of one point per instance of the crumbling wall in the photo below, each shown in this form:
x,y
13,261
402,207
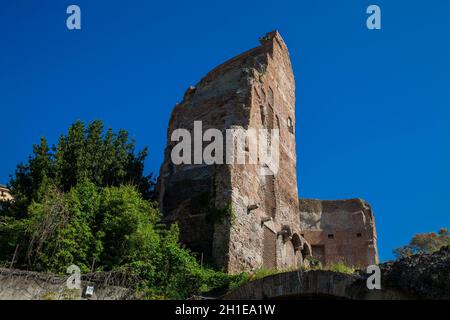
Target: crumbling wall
x,y
340,231
274,196
28,285
194,194
421,276
253,90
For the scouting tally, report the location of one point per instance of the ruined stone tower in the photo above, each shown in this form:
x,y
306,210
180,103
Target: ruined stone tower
x,y
231,214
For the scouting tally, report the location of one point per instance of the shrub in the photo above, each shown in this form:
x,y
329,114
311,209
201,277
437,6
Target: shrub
x,y
87,202
425,243
340,267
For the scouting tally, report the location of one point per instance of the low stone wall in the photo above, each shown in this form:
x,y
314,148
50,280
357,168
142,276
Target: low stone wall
x,y
422,276
27,285
312,285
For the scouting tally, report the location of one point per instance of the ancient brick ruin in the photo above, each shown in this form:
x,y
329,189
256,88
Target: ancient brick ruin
x,y
231,214
340,231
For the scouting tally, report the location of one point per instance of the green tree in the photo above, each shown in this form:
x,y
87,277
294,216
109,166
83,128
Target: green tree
x,y
128,226
60,229
111,228
87,202
107,159
424,243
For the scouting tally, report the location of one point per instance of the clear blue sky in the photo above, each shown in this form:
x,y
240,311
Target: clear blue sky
x,y
373,107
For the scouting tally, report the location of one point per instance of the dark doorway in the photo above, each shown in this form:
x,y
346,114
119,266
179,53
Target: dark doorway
x,y
318,251
270,249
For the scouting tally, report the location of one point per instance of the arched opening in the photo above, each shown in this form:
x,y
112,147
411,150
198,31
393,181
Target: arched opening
x,y
306,251
296,242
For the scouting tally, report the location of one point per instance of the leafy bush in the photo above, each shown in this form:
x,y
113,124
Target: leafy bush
x,y
424,243
87,202
111,228
340,267
262,273
85,152
312,262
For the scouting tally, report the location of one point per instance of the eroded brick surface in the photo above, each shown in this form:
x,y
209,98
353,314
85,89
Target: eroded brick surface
x,y
253,90
340,231
262,230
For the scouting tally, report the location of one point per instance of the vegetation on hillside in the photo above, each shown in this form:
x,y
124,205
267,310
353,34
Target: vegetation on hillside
x,y
87,202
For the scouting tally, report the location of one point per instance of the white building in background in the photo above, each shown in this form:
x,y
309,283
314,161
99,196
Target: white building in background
x,y
5,194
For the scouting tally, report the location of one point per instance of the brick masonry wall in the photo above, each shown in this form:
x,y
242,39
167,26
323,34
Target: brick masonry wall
x,y
253,90
272,104
340,231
